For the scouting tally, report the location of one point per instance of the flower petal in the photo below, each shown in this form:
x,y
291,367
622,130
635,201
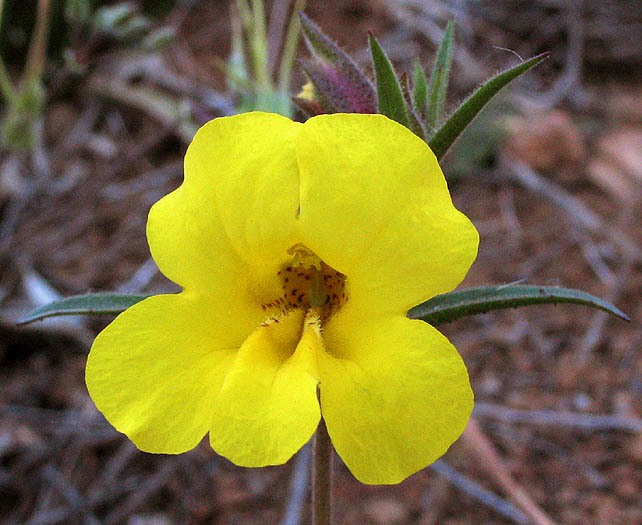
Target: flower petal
x,y
236,210
155,371
268,408
394,394
376,207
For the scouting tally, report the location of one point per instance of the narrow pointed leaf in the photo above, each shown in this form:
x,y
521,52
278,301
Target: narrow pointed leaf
x,y
93,303
389,94
420,87
454,305
439,78
459,120
431,112
289,48
237,76
246,15
258,47
416,125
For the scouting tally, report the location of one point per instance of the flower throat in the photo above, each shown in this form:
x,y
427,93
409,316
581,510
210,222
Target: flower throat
x,y
307,282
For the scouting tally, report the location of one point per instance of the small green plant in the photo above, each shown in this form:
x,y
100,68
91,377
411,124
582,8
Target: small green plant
x,y
122,23
249,68
24,99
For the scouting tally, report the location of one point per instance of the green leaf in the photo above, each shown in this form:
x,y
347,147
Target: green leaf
x,y
258,47
389,93
459,120
289,49
420,87
454,305
237,75
93,303
439,78
416,125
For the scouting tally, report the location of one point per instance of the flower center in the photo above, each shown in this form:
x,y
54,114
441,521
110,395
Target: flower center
x,y
308,282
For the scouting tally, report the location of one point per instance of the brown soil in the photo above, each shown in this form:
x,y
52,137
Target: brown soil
x,y
84,229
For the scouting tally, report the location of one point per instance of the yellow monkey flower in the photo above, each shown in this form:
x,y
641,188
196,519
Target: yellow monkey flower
x,y
299,249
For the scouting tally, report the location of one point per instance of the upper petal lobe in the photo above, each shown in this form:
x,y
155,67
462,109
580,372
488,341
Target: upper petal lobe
x,y
230,223
376,207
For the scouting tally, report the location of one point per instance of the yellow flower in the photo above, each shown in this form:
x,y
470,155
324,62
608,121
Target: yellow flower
x,y
299,248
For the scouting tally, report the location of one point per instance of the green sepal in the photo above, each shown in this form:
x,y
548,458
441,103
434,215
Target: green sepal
x,y
93,303
420,87
389,93
454,305
439,78
459,120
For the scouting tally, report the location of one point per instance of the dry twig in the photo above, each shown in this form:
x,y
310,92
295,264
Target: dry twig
x,y
474,489
495,466
558,418
576,210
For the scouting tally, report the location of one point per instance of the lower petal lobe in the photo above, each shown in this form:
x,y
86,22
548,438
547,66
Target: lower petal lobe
x,y
394,395
156,370
268,408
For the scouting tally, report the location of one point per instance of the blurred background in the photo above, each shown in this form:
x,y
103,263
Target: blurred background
x,y
99,102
